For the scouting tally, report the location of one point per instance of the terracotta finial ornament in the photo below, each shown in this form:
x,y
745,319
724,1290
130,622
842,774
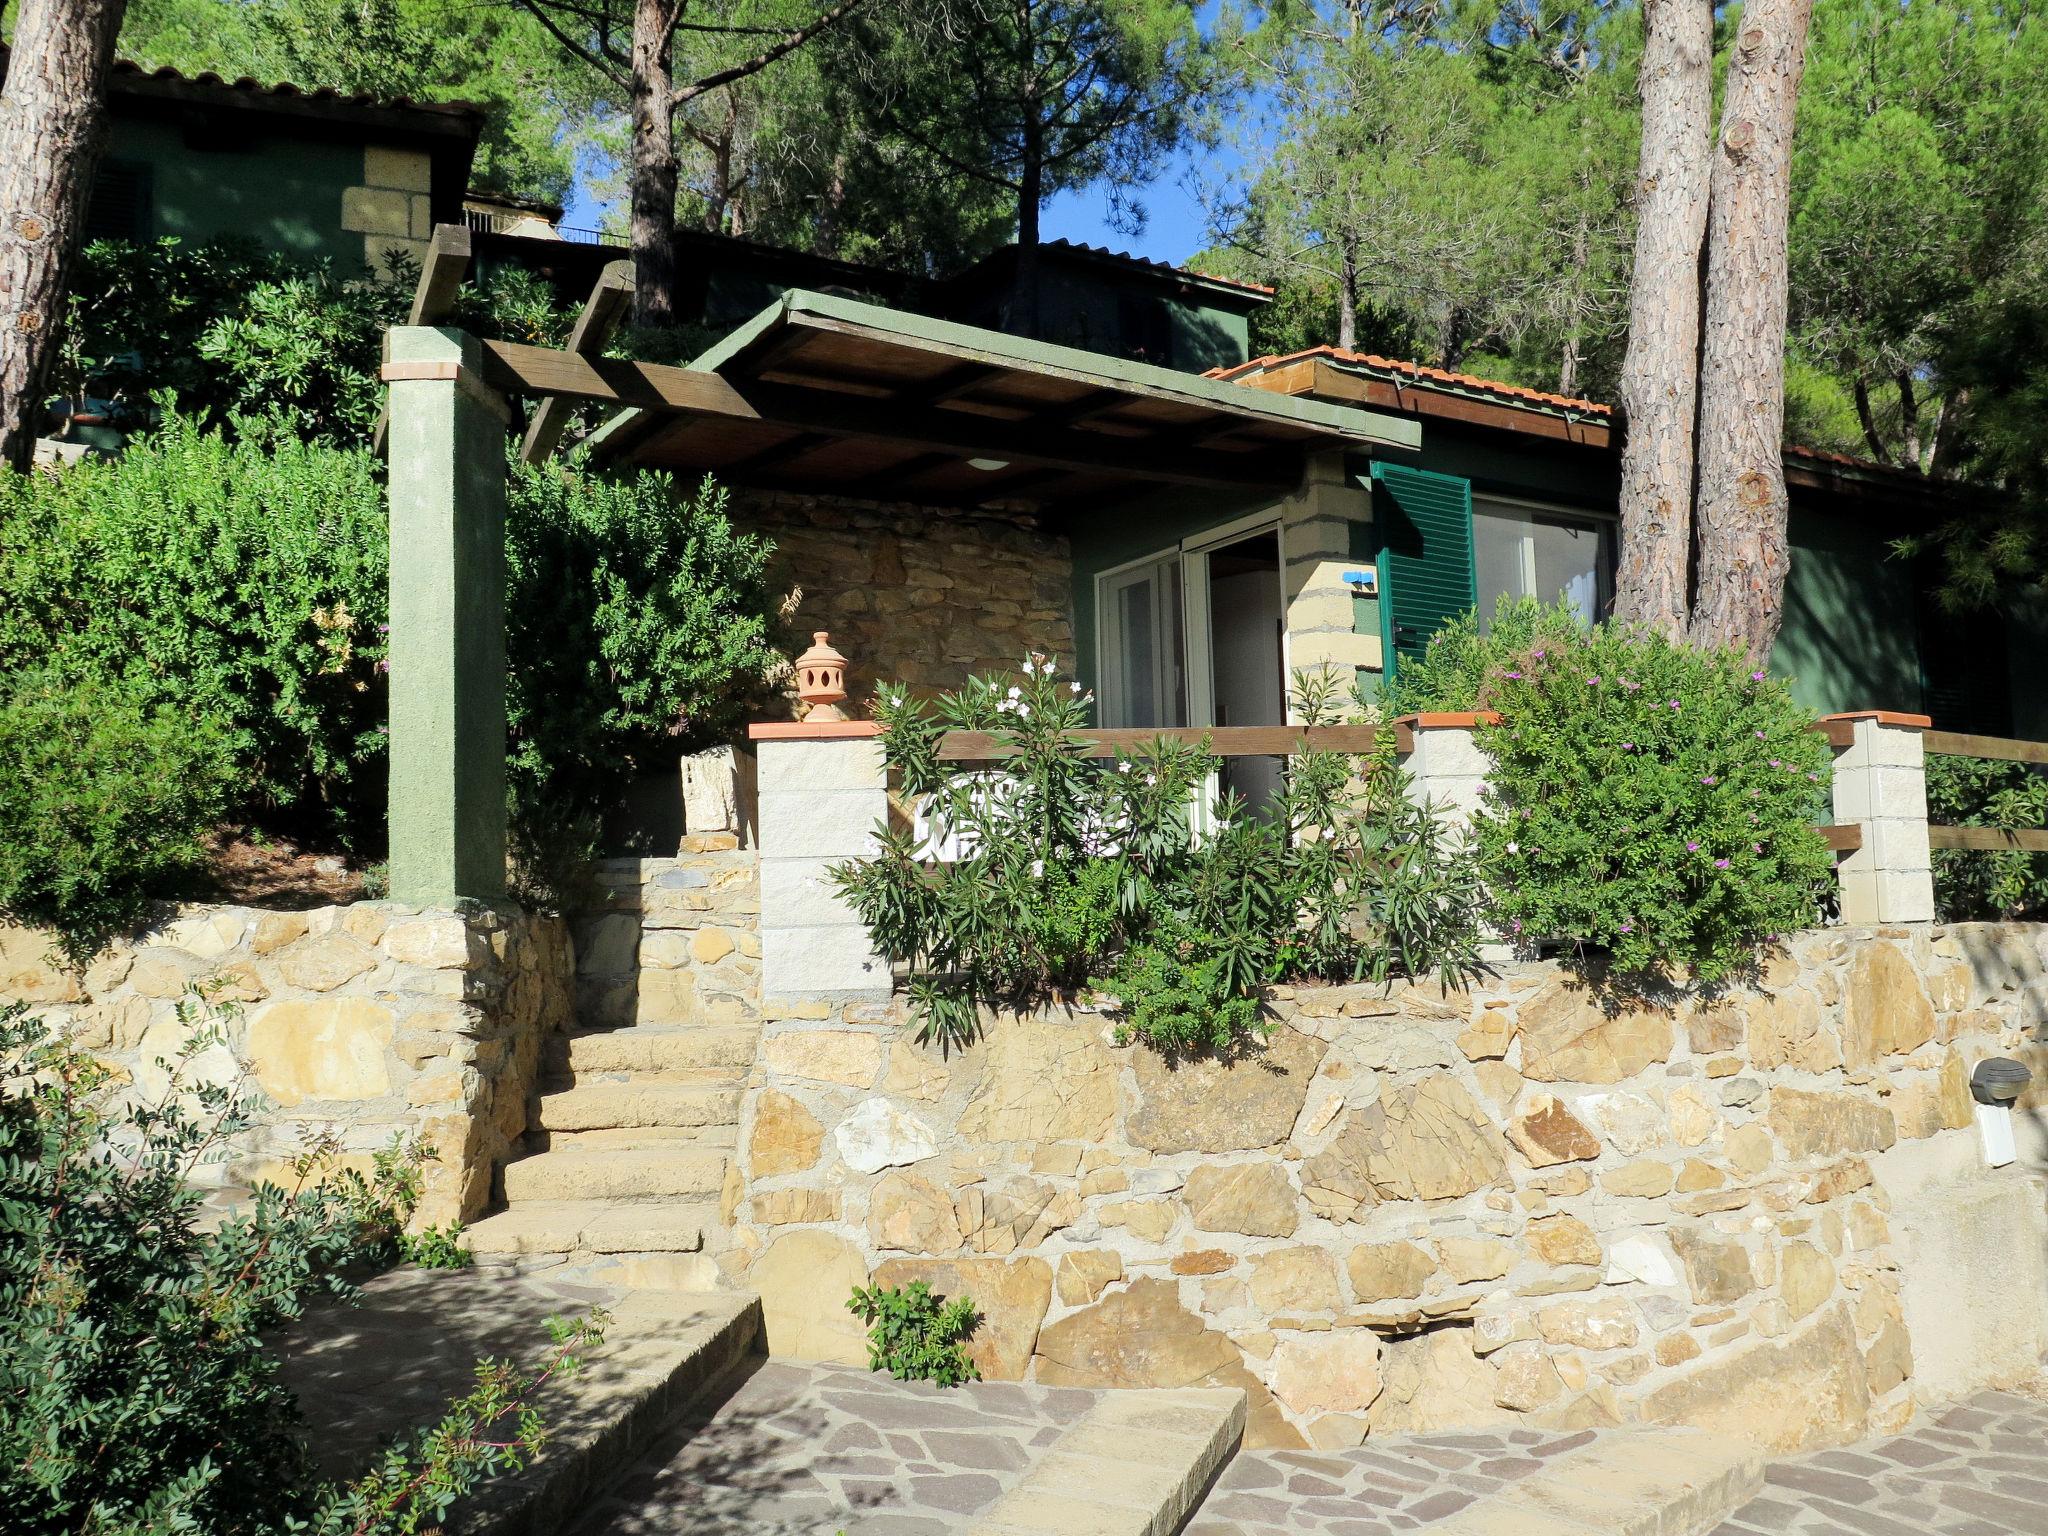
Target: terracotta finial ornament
x,y
821,679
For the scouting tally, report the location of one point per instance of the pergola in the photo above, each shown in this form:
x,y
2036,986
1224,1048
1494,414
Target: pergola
x,y
816,393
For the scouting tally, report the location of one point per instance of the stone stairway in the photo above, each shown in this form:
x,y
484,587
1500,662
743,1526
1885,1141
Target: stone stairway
x,y
632,1131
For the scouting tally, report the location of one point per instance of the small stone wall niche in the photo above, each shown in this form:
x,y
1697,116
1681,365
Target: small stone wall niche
x,y
1414,1211
372,1020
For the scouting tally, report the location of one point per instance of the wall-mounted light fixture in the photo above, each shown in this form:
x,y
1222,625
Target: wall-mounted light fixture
x,y
1994,1083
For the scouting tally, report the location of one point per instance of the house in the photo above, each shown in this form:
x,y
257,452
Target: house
x,y
948,496
312,174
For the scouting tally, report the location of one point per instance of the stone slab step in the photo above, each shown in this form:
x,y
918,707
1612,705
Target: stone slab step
x,y
654,1050
616,1173
1628,1482
592,1226
663,1351
631,1137
602,1105
1136,1464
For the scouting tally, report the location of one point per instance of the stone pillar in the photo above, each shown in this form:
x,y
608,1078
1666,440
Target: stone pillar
x,y
1446,768
823,792
447,439
1881,784
1320,529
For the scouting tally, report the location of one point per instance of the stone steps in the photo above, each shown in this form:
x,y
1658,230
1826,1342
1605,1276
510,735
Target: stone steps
x,y
576,1172
653,1050
1628,1482
1137,1464
599,1226
713,1099
663,1351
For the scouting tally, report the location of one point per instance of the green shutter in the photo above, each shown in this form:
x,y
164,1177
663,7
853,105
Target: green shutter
x,y
1427,577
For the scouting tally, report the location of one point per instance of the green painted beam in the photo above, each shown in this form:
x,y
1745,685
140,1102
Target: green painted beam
x,y
447,648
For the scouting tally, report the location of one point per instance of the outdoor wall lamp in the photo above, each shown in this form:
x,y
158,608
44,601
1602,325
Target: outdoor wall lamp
x,y
1994,1083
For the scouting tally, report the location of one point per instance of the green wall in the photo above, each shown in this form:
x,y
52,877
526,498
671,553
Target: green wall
x,y
284,193
1850,638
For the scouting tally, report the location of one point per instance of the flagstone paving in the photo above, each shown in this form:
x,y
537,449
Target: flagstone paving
x,y
1395,1485
1978,1469
819,1449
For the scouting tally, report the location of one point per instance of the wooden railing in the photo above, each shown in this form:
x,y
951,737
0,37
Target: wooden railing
x,y
1221,740
1998,749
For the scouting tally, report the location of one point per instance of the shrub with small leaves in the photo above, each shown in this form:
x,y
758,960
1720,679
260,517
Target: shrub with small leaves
x,y
916,1336
1987,885
1650,802
435,1247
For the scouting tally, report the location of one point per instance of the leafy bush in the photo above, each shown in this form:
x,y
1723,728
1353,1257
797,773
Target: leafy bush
x,y
237,584
1973,885
640,624
236,330
1458,668
141,1393
435,1247
105,801
916,1336
1074,869
1651,801
241,584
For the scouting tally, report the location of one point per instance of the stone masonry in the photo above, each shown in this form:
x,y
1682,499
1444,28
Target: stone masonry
x,y
1411,1212
372,1020
632,1132
922,596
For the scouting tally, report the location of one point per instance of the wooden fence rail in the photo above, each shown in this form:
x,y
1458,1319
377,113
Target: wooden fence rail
x,y
1221,740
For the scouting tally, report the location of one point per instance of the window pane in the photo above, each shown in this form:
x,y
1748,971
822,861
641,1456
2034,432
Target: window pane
x,y
1136,624
1147,650
1568,565
1498,540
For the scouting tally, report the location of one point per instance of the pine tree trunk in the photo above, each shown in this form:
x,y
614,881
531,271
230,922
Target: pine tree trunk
x,y
52,131
1347,297
1740,598
1659,372
654,167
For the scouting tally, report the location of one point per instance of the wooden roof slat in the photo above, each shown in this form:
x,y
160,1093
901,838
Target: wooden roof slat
x,y
609,297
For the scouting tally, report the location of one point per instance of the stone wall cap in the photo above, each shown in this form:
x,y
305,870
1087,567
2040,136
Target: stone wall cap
x,y
1886,717
823,730
1449,719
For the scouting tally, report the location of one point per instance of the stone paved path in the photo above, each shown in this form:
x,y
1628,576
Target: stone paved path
x,y
1979,1469
810,1450
1375,1490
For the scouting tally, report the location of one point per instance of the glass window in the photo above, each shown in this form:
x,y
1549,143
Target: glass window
x,y
1144,649
1524,552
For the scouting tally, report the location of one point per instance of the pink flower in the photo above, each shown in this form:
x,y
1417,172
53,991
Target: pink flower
x,y
1511,674
1593,682
1628,927
1706,778
1759,735
1720,863
1756,677
1692,847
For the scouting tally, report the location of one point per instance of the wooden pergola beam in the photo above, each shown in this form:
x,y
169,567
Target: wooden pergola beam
x,y
514,368
441,275
593,328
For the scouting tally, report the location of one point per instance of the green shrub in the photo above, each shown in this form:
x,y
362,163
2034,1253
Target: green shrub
x,y
435,1247
1974,885
916,1336
241,583
141,1393
639,625
1457,669
105,802
1648,801
1077,869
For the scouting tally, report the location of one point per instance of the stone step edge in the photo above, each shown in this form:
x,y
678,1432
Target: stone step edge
x,y
595,1227
1627,1482
664,1351
1138,1463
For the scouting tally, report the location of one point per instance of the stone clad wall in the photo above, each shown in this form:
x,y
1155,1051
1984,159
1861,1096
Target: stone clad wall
x,y
672,941
1411,1212
369,1020
918,595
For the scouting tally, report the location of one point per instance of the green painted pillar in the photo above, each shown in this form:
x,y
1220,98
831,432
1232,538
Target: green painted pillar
x,y
447,478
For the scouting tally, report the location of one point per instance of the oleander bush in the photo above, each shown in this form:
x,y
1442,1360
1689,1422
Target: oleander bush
x,y
142,1390
1649,805
1987,885
1065,871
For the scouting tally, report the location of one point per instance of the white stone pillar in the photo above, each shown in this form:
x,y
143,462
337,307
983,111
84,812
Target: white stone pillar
x,y
1881,785
1446,768
823,792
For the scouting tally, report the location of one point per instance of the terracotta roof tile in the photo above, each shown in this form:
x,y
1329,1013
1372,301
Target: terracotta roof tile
x,y
1513,394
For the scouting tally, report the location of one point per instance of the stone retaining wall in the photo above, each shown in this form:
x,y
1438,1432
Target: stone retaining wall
x,y
1414,1211
672,941
369,1020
